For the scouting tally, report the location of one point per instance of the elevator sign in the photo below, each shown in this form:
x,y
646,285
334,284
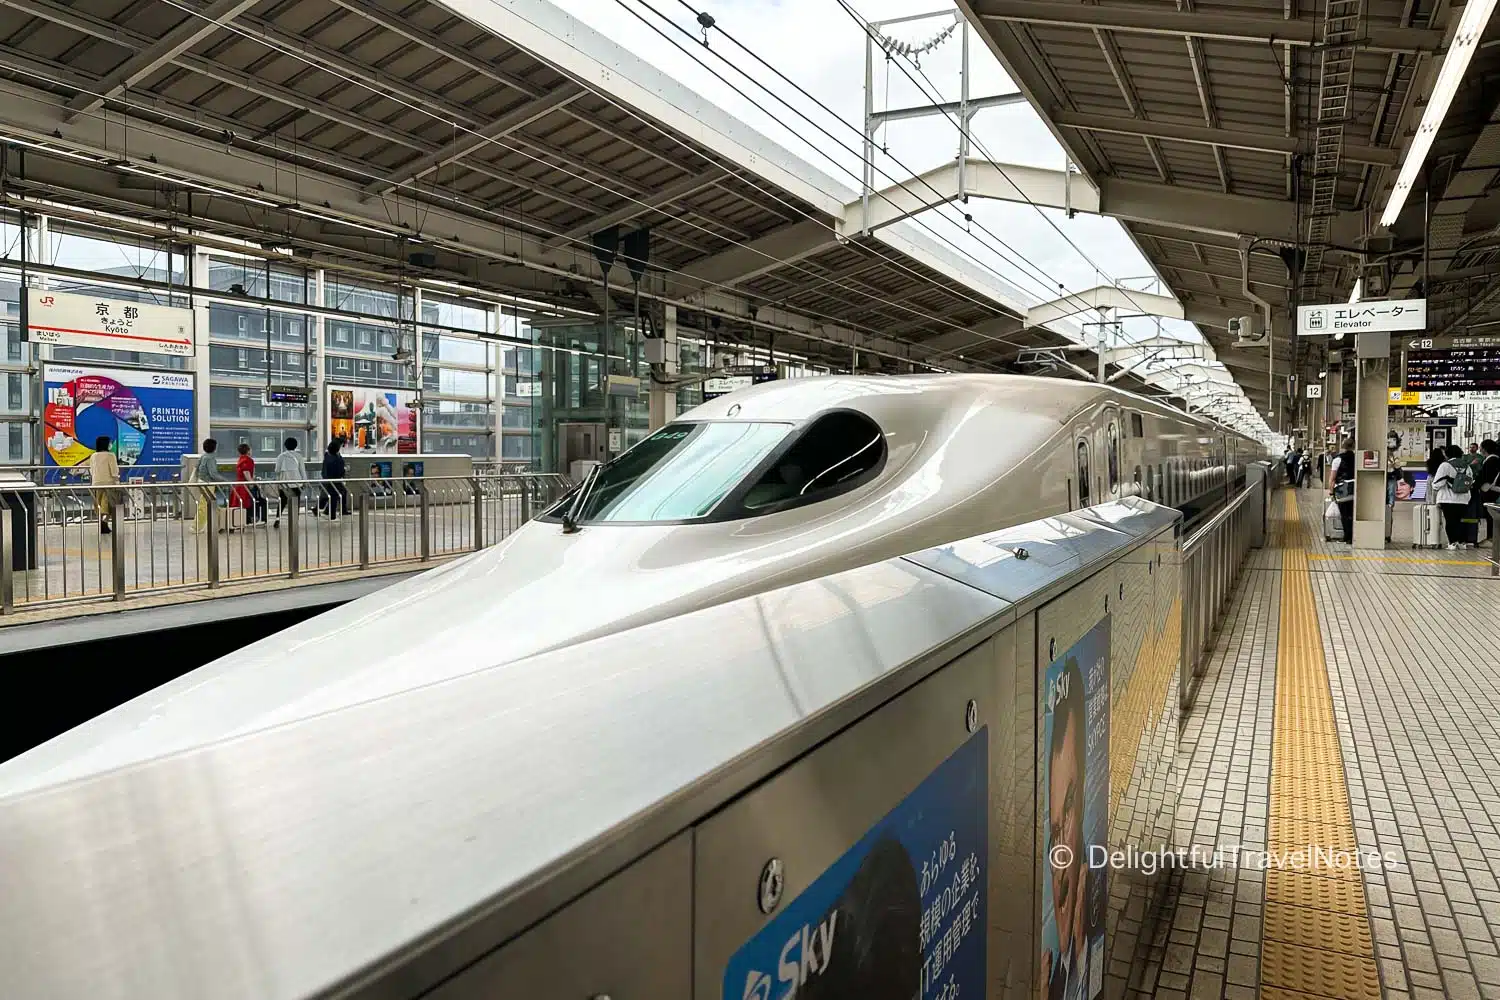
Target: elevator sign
x,y
1377,316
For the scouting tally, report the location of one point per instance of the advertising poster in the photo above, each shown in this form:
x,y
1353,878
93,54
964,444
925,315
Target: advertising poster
x,y
147,415
1075,782
901,914
1408,439
372,421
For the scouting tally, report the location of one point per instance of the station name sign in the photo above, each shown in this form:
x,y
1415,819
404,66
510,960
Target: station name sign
x,y
1375,316
69,320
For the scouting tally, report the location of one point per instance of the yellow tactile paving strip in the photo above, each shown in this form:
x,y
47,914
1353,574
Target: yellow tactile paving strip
x,y
1316,941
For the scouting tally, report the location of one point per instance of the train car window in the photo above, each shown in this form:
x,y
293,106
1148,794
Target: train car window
x,y
836,453
1138,480
679,473
1137,426
1161,485
1113,443
1083,474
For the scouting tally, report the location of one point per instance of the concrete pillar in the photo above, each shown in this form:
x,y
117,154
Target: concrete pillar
x,y
317,408
1371,410
663,400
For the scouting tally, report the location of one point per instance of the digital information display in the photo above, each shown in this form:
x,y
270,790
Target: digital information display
x,y
1453,364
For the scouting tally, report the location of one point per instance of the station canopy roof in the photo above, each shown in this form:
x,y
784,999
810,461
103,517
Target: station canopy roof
x,y
1279,127
472,145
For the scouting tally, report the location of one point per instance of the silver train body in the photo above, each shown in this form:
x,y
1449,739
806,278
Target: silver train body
x,y
893,465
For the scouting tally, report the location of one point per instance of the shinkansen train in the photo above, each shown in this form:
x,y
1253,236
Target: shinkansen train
x,y
760,489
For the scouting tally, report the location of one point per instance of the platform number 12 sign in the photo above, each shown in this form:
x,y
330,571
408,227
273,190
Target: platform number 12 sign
x,y
1315,392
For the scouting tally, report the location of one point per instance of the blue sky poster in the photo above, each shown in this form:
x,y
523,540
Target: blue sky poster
x,y
901,915
1075,817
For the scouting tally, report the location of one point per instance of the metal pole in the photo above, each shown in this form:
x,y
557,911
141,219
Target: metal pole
x,y
425,521
869,167
211,498
364,527
7,554
116,546
293,514
963,111
478,513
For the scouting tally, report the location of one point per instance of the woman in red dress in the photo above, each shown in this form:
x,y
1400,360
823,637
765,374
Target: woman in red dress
x,y
244,472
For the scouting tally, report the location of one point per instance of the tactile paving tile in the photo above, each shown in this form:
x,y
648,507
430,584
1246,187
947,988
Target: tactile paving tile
x,y
1325,808
1329,930
1316,935
1313,970
1277,993
1296,830
1305,889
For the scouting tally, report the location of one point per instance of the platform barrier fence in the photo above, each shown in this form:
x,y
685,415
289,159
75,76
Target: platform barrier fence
x,y
1494,557
1212,558
74,543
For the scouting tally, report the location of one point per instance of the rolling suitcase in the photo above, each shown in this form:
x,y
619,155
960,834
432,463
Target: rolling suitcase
x,y
1426,526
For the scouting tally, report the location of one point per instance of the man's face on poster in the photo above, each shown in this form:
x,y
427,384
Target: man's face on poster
x,y
1065,818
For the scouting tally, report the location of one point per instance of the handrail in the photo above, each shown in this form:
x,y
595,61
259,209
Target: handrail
x,y
75,543
1199,537
1211,560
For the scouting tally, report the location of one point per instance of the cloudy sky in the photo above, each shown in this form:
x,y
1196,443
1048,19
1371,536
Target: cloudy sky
x,y
821,47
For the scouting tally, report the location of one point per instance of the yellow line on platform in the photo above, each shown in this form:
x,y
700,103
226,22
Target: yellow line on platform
x,y
1316,941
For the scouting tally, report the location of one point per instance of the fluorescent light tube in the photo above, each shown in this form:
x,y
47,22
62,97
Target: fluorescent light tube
x,y
1471,26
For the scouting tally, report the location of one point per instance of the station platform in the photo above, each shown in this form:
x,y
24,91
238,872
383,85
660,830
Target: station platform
x,y
1350,704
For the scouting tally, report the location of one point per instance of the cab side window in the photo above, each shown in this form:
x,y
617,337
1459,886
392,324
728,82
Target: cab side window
x,y
1083,474
1113,457
838,452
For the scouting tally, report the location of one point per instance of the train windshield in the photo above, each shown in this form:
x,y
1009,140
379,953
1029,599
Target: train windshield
x,y
679,473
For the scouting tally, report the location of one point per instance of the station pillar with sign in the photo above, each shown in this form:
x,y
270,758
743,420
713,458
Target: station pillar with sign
x,y
1371,424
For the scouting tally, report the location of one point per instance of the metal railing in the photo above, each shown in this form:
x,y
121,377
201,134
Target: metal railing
x,y
74,543
1212,558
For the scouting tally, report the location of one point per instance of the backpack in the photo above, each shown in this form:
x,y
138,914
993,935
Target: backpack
x,y
1463,478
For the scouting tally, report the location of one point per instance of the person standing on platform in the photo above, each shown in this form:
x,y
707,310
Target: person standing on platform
x,y
104,472
334,491
207,471
244,473
1487,486
1450,491
288,471
1341,488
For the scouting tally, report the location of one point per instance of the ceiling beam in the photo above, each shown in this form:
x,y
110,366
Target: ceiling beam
x,y
257,196
512,121
1164,20
636,207
189,32
1252,140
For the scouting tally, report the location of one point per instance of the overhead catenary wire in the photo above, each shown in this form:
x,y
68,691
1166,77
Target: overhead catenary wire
x,y
1031,270
965,130
936,100
479,136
